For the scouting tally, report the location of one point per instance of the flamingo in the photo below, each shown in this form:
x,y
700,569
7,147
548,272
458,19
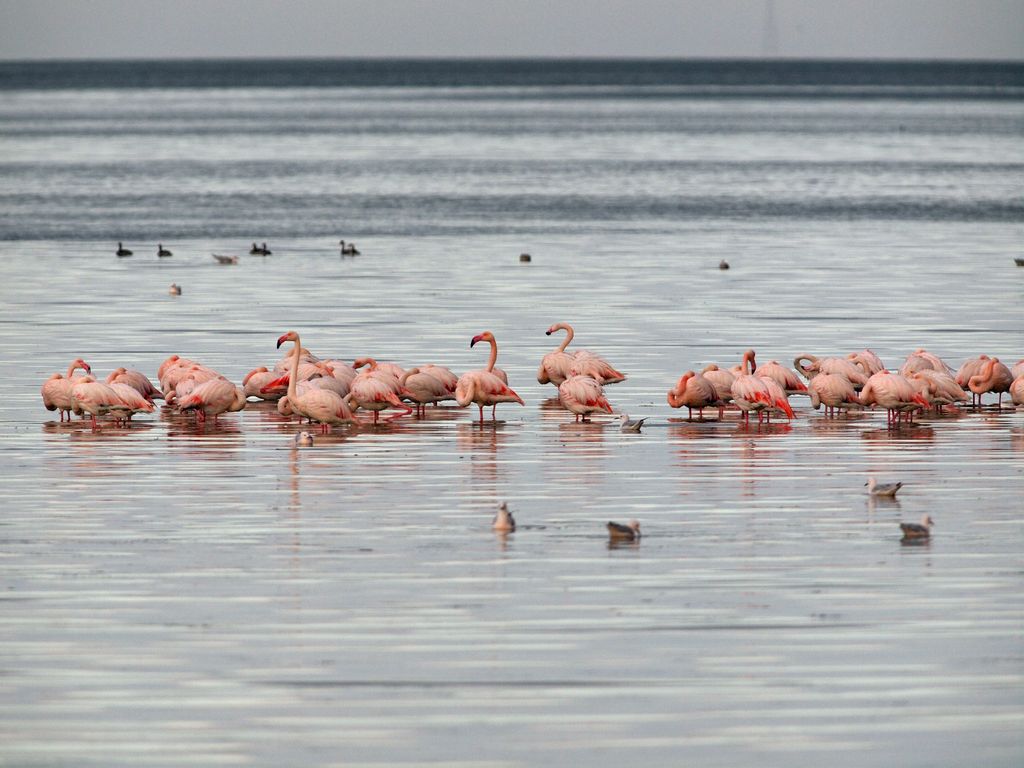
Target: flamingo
x,y
375,391
1017,390
840,365
255,384
753,393
779,401
96,399
783,376
56,390
993,377
693,391
938,387
485,386
583,395
503,521
137,380
423,387
1017,369
722,382
554,366
132,398
390,369
967,370
212,398
444,375
628,532
342,371
867,360
921,359
894,393
188,380
833,390
320,405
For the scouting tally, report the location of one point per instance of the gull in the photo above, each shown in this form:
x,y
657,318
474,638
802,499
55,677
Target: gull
x,y
174,290
882,489
917,530
620,532
304,440
630,425
503,521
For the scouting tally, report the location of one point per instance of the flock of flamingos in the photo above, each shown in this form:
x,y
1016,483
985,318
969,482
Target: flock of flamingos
x,y
330,391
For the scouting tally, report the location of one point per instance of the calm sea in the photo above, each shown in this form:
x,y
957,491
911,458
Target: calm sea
x,y
173,595
164,150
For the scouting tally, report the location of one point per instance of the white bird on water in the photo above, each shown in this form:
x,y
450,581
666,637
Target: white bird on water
x,y
303,439
503,521
630,425
917,530
876,488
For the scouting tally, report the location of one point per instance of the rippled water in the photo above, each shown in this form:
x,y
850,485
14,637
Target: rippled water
x,y
181,595
185,595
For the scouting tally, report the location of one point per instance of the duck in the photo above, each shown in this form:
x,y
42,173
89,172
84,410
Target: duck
x,y
348,249
628,532
174,290
503,521
917,531
122,251
161,251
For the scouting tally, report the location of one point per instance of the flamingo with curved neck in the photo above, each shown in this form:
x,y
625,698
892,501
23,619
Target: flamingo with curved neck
x,y
485,386
993,377
321,405
56,390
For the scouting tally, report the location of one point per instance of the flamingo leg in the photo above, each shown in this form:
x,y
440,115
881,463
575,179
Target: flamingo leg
x,y
481,415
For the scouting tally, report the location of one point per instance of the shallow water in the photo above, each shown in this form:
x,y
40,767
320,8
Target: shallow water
x,y
180,595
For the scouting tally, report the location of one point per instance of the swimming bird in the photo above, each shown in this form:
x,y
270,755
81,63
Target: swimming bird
x,y
174,290
628,532
627,424
162,252
122,251
56,390
920,530
583,395
225,259
503,521
723,264
348,249
304,440
882,489
484,387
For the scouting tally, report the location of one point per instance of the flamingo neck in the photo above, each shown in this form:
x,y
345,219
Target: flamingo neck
x,y
568,336
749,366
71,369
494,355
293,387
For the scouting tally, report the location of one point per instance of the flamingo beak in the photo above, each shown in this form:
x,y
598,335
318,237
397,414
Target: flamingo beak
x,y
282,340
547,332
87,368
475,340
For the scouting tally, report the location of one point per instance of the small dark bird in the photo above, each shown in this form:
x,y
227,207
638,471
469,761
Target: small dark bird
x,y
525,258
917,531
161,251
620,532
723,264
259,250
174,290
122,251
348,249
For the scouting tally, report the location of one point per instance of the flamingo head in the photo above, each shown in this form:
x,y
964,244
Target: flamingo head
x,y
749,355
361,361
290,336
80,363
557,327
485,336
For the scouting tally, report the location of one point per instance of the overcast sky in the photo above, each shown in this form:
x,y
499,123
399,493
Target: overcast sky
x,y
960,29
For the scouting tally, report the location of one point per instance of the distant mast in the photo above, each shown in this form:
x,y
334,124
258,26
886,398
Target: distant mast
x,y
770,33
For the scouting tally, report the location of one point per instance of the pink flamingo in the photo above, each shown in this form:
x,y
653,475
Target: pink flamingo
x,y
319,405
753,393
867,361
423,387
392,370
894,393
485,387
1017,390
970,368
722,382
1018,369
554,366
212,398
938,387
132,398
834,391
583,395
694,391
840,365
136,380
96,399
920,360
993,377
56,390
783,376
255,384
